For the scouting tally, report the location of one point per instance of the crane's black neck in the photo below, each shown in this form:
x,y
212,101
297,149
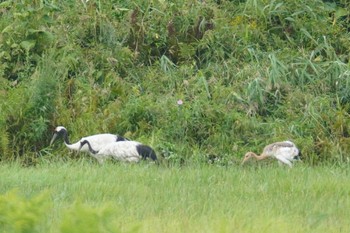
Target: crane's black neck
x,y
90,148
64,134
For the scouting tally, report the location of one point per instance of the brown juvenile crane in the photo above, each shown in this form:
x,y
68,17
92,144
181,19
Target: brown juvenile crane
x,y
285,152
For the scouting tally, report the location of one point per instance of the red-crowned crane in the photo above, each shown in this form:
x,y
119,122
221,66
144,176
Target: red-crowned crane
x,y
285,152
128,151
98,141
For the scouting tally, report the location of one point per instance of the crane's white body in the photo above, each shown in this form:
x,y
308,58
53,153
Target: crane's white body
x,y
285,152
127,151
97,141
122,151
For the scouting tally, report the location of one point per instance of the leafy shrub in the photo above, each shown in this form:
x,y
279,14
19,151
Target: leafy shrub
x,y
22,215
248,73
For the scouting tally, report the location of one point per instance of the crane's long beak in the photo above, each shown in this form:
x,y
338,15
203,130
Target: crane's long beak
x,y
244,161
53,138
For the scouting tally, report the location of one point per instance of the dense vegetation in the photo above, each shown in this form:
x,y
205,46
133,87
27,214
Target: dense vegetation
x,y
194,79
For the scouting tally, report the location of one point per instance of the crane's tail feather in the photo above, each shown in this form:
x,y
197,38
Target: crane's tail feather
x,y
120,138
146,152
298,156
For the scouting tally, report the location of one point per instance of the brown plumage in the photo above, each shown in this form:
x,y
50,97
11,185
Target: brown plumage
x,y
285,152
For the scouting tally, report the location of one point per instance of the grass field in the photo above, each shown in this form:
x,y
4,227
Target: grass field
x,y
195,80
81,196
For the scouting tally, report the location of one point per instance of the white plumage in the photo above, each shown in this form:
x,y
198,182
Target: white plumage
x,y
285,152
98,141
128,151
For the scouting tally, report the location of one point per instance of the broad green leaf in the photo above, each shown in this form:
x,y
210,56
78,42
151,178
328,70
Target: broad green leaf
x,y
27,45
7,29
5,4
340,13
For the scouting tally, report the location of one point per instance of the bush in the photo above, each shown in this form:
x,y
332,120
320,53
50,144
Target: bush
x,y
22,215
248,73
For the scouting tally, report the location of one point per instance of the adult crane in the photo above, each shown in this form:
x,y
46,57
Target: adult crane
x,y
98,141
127,151
285,152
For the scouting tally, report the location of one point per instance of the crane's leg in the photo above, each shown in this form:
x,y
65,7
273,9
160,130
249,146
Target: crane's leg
x,y
99,158
284,160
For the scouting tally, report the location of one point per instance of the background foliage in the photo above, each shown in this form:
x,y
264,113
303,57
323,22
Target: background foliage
x,y
248,73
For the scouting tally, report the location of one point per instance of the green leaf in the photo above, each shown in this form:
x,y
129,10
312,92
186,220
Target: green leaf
x,y
290,19
8,29
340,13
47,35
27,45
205,83
5,4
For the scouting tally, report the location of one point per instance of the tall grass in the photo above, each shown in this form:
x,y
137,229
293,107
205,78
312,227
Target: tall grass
x,y
148,198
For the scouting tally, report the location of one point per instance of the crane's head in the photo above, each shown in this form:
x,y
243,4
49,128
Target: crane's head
x,y
60,131
247,157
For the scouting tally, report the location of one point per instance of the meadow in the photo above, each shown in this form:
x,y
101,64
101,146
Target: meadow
x,y
198,81
83,196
